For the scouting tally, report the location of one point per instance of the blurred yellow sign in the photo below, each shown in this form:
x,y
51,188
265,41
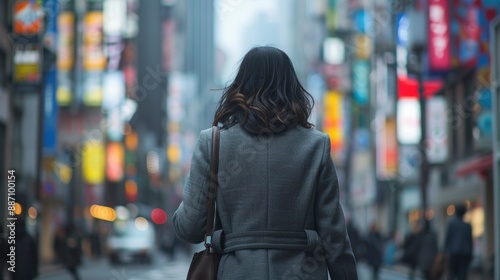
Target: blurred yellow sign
x,y
332,123
93,162
174,153
93,52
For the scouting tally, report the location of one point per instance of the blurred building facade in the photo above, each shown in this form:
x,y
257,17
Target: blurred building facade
x,y
377,40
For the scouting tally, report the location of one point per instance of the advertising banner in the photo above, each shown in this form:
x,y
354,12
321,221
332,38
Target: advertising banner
x,y
387,150
115,161
333,122
93,42
439,35
50,114
408,121
65,57
27,63
27,18
66,40
361,81
437,130
93,162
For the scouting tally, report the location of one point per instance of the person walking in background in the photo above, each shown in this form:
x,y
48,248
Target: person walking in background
x,y
410,249
26,253
391,251
458,245
278,199
427,250
375,250
67,246
358,243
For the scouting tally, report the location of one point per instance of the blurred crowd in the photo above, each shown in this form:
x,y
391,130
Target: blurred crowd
x,y
419,250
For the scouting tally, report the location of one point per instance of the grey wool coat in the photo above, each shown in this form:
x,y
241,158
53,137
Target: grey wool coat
x,y
278,206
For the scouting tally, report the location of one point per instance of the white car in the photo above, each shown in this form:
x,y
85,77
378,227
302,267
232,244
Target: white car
x,y
131,241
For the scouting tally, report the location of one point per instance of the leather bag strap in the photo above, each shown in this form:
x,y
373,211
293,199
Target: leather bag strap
x,y
214,182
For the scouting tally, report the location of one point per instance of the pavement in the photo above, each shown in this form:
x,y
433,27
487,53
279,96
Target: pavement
x,y
164,267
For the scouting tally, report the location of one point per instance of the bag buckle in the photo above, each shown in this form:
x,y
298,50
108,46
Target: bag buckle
x,y
208,240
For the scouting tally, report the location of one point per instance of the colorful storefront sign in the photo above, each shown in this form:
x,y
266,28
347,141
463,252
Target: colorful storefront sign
x,y
437,130
27,18
115,161
93,162
387,150
93,49
470,35
65,45
439,35
408,121
333,121
50,113
27,64
361,81
65,57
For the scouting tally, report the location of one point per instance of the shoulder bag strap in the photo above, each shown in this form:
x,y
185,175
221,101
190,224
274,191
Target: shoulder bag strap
x,y
212,191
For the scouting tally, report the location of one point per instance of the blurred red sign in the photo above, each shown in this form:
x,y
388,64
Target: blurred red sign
x,y
408,87
27,18
439,35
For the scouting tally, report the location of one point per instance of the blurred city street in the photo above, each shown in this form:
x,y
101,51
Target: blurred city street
x,y
102,103
161,268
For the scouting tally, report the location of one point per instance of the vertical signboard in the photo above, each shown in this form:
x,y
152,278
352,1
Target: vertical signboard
x,y
93,162
387,150
439,35
50,102
26,25
50,113
115,161
332,121
93,50
402,26
94,60
361,81
408,121
65,57
437,130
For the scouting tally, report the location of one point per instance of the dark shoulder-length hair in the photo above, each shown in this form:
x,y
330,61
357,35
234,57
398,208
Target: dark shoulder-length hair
x,y
266,95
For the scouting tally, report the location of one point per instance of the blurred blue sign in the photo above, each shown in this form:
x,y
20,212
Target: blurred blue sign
x,y
485,123
360,81
402,25
51,12
50,113
484,98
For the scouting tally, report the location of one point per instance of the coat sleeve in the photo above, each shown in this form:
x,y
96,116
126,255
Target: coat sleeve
x,y
330,222
190,218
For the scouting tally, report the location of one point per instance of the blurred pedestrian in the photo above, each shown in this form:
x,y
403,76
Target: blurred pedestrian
x,y
26,253
391,252
374,253
458,245
278,200
67,246
358,243
410,249
95,244
427,250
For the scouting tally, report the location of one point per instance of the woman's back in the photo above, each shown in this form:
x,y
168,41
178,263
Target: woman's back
x,y
278,197
267,182
277,204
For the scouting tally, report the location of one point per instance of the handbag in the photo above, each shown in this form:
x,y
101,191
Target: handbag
x,y
205,263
